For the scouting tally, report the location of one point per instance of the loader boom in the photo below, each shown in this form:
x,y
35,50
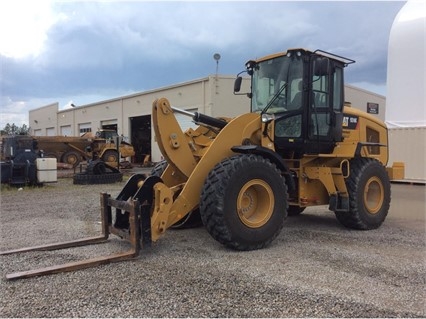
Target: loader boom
x,y
191,156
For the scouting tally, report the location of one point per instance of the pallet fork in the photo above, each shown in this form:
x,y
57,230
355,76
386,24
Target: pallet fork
x,y
136,230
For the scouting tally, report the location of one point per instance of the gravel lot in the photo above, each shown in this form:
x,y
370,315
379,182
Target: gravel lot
x,y
315,268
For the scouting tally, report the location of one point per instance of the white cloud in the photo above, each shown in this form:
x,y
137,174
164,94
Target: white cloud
x,y
13,112
23,27
87,51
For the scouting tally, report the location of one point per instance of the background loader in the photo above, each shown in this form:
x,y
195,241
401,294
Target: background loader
x,y
300,146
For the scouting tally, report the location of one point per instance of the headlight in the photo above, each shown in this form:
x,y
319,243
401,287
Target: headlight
x,y
266,118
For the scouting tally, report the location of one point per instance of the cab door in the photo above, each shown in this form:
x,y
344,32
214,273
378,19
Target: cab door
x,y
325,106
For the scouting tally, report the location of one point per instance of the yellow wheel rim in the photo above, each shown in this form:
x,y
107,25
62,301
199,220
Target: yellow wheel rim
x,y
111,158
255,203
72,159
373,195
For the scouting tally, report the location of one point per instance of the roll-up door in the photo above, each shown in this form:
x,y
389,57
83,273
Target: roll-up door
x,y
50,131
66,130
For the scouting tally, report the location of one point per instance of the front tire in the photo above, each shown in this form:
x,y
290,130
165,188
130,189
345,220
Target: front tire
x,y
369,195
295,210
244,202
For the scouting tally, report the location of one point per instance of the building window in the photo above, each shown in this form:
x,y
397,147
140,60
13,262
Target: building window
x,y
85,130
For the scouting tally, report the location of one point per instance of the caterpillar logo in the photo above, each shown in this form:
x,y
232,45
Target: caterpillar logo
x,y
350,122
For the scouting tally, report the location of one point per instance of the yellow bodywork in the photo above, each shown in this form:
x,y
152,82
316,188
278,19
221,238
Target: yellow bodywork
x,y
191,155
369,129
322,175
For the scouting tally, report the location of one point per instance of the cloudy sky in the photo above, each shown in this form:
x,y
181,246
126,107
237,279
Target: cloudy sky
x,y
87,51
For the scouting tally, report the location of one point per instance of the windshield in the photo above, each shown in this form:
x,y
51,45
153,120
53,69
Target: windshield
x,y
278,80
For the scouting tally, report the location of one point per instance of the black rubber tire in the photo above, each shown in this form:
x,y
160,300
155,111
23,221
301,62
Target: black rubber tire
x,y
295,210
159,168
72,158
193,219
369,195
89,179
244,184
110,156
96,167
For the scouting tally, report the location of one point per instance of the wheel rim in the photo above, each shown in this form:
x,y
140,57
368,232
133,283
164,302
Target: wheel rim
x,y
72,159
373,195
255,203
111,158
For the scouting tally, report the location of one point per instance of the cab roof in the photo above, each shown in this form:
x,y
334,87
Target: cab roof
x,y
329,55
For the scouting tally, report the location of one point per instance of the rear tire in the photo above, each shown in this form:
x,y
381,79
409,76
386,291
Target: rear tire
x,y
72,158
244,202
369,195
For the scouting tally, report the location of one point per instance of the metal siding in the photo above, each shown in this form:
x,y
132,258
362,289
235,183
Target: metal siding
x,y
408,145
50,131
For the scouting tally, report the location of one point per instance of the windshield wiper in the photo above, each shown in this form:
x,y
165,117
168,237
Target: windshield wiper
x,y
274,98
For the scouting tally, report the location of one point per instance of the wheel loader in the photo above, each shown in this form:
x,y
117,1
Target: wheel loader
x,y
301,145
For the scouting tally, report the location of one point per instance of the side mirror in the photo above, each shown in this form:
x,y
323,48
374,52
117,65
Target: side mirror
x,y
321,66
237,84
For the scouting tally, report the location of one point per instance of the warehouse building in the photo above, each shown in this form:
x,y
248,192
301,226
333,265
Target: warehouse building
x,y
130,115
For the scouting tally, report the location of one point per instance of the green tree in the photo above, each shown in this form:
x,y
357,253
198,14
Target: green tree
x,y
13,129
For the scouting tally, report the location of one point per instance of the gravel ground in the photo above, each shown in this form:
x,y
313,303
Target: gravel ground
x,y
315,268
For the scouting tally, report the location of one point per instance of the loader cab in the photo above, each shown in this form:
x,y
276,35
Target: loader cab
x,y
303,92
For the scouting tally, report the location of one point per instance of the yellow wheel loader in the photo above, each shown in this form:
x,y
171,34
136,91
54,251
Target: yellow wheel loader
x,y
300,146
